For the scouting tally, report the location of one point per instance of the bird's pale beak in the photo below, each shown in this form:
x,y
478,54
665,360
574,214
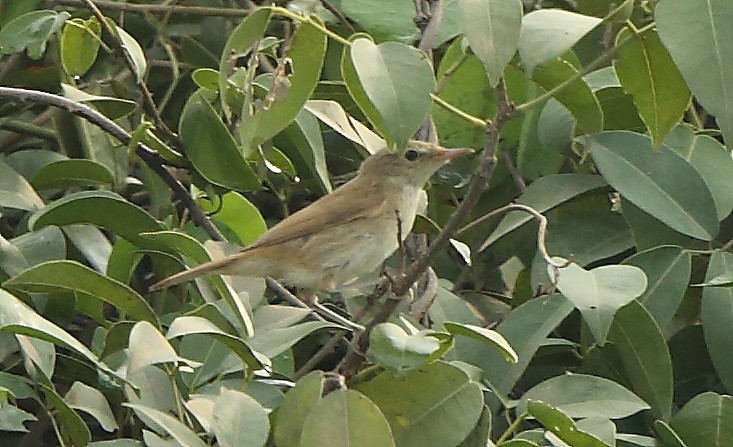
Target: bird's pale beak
x,y
450,154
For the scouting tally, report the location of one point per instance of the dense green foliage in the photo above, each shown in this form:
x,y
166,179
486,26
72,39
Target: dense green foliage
x,y
608,117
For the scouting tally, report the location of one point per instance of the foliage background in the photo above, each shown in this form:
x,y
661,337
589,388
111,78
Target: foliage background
x,y
609,117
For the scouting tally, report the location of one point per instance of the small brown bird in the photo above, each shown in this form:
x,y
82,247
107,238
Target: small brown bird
x,y
344,234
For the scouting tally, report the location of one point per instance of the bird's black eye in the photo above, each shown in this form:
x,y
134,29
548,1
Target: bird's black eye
x,y
411,154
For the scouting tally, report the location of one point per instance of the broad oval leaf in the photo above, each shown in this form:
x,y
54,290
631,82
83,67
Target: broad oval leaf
x,y
638,350
17,317
383,20
53,276
716,315
109,106
661,183
15,192
544,194
30,32
147,346
583,396
80,45
487,336
70,173
91,401
397,80
698,37
705,421
600,292
239,420
187,325
118,215
297,404
306,56
439,405
239,214
346,418
176,429
212,149
492,28
396,350
548,33
649,75
134,50
577,97
668,270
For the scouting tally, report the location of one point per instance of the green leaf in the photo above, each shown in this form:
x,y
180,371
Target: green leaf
x,y
716,316
119,216
346,418
274,342
91,243
80,45
492,29
91,401
30,32
239,420
239,44
600,292
188,325
398,351
134,50
562,426
486,336
705,421
697,36
73,431
111,107
305,135
184,435
18,318
589,235
548,33
71,173
661,183
15,192
463,80
583,396
306,56
148,346
576,97
712,160
649,75
638,353
334,116
237,213
526,328
668,270
437,405
207,78
212,149
386,21
53,276
543,195
397,80
297,404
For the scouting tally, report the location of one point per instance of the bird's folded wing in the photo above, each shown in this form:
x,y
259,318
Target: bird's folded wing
x,y
341,207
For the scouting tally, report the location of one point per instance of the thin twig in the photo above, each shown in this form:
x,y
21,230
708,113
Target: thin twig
x,y
148,102
342,18
145,8
514,172
146,154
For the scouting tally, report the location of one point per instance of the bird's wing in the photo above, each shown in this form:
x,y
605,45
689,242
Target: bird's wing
x,y
344,205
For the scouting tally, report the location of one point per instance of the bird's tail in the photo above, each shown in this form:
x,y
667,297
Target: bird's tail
x,y
208,268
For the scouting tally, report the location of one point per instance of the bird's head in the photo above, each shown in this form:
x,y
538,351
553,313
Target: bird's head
x,y
416,164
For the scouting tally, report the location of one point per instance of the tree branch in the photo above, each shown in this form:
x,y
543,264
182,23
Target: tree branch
x,y
173,9
146,154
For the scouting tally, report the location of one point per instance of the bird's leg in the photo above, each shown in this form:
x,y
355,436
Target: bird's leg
x,y
310,297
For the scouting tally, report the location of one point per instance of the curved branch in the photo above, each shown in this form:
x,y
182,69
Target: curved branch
x,y
150,157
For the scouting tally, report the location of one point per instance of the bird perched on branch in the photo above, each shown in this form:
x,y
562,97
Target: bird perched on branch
x,y
344,234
